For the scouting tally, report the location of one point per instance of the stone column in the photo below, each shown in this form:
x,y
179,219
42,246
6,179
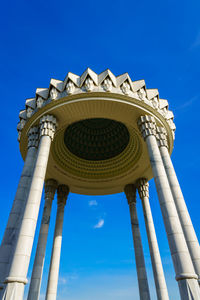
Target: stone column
x,y
130,191
62,193
36,278
17,276
159,277
188,229
185,274
15,218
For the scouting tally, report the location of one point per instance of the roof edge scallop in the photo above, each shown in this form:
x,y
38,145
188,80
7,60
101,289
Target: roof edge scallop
x,y
106,81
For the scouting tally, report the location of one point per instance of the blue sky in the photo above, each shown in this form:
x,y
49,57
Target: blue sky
x,y
158,41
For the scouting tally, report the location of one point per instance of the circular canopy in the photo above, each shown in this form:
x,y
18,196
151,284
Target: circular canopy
x,y
97,148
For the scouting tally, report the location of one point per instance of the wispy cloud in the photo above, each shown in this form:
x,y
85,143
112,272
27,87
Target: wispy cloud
x,y
188,103
63,280
99,224
92,203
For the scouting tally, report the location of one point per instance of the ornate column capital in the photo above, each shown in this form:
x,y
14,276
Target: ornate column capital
x,y
48,126
50,188
62,193
130,192
33,137
162,137
143,188
147,126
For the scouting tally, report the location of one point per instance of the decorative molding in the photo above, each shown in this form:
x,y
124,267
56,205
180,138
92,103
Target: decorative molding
x,y
50,188
125,87
108,74
54,93
33,137
29,112
147,126
19,135
162,137
43,92
143,188
142,94
88,74
155,103
152,93
107,85
30,103
48,126
39,102
130,192
62,193
123,79
58,84
71,77
70,87
21,124
22,114
88,82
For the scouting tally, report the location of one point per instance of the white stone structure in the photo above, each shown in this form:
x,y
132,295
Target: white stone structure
x,y
185,274
36,278
80,133
159,278
130,191
14,222
188,229
51,293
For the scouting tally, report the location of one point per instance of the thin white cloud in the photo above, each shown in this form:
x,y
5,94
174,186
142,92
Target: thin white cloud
x,y
188,103
92,203
99,224
63,280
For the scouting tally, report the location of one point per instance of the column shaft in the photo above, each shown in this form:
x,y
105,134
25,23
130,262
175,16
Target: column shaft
x,y
139,255
15,218
52,285
36,278
159,277
188,229
185,275
19,267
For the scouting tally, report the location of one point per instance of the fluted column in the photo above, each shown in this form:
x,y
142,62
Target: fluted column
x,y
17,276
36,278
15,218
130,191
188,229
185,274
62,193
159,277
